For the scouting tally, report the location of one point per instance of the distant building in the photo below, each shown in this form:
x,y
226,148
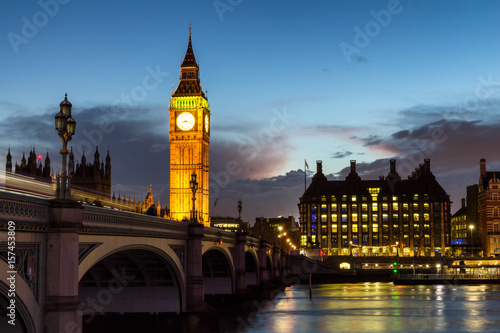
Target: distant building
x,y
94,177
387,216
465,231
281,231
488,210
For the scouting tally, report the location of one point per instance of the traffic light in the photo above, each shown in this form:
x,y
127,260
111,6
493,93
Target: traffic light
x,y
395,268
322,252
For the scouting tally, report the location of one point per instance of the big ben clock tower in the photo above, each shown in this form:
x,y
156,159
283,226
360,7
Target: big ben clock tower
x,y
189,131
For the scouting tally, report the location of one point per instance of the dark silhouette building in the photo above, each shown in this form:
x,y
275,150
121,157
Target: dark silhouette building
x,y
387,216
95,176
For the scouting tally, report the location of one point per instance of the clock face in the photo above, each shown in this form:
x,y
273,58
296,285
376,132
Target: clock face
x,y
207,123
185,121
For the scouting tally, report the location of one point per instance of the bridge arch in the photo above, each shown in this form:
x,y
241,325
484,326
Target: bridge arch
x,y
218,270
118,277
28,315
252,268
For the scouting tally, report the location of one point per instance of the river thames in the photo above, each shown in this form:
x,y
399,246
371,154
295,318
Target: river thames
x,y
379,307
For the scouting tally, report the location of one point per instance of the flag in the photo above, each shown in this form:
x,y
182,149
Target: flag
x,y
307,166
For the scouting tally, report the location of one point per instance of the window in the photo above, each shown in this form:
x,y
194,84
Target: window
x,y
354,217
385,207
494,196
364,207
416,217
334,217
323,198
314,218
355,228
334,207
385,217
344,228
374,207
324,218
365,228
405,206
323,207
495,211
334,228
364,217
415,206
344,218
375,218
426,217
344,208
333,198
395,206
495,228
354,208
303,240
375,227
353,198
426,206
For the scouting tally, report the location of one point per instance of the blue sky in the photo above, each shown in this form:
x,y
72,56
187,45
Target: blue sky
x,y
280,86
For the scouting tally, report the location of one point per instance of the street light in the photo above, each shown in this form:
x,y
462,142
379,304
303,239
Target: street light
x,y
193,184
65,126
471,241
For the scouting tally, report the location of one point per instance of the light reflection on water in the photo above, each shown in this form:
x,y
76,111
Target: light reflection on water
x,y
382,307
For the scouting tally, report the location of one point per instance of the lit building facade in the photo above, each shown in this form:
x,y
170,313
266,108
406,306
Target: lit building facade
x,y
489,210
189,131
388,216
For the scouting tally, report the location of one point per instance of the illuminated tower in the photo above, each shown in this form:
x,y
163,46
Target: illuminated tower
x,y
189,130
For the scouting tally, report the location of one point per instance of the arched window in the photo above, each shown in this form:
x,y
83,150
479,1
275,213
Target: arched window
x,y
495,211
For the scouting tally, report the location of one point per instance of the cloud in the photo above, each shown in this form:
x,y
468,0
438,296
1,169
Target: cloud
x,y
343,154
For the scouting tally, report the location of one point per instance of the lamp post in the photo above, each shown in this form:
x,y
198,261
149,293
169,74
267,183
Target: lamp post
x,y
193,184
65,126
471,241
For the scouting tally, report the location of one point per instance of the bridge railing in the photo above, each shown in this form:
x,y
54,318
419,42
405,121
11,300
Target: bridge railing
x,y
24,210
111,221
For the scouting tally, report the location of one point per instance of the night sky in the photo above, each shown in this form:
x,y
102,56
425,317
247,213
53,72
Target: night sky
x,y
287,81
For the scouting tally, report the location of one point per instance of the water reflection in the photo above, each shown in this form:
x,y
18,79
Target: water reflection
x,y
382,307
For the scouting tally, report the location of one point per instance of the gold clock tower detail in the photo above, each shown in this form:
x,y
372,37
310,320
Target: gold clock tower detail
x,y
189,131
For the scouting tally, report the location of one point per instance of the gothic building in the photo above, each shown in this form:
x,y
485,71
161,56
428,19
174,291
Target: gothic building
x,y
386,216
189,135
30,167
488,205
95,177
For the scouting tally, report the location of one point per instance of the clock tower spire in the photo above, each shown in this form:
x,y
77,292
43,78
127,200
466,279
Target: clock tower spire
x,y
189,134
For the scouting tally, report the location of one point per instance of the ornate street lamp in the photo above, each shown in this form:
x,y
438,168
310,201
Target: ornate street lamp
x,y
65,126
193,184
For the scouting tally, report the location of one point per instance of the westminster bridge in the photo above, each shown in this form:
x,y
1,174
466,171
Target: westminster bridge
x,y
66,259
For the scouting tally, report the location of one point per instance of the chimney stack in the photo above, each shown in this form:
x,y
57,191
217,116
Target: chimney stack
x,y
463,202
353,166
319,167
427,164
482,168
393,166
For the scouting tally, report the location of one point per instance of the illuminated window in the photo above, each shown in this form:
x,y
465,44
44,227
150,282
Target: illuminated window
x,y
395,216
334,228
334,217
323,198
354,217
385,217
353,198
344,208
405,206
374,207
323,207
426,217
426,206
344,197
375,227
364,217
374,218
334,207
394,198
354,208
314,218
364,207
415,197
415,206
314,207
333,198
324,218
365,228
303,240
385,207
323,229
354,228
344,218
416,217
344,228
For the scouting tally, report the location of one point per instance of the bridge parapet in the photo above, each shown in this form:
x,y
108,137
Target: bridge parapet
x,y
26,211
97,220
